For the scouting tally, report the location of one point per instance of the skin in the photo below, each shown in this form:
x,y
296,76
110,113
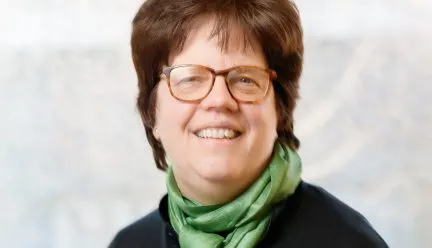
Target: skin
x,y
215,171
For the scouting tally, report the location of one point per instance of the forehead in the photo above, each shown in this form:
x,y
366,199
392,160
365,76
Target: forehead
x,y
208,44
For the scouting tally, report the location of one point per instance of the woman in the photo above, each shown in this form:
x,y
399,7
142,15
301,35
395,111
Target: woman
x,y
218,83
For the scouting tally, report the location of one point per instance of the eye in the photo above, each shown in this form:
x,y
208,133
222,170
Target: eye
x,y
246,80
243,79
191,79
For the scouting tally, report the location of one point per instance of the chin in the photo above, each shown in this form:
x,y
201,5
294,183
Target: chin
x,y
218,169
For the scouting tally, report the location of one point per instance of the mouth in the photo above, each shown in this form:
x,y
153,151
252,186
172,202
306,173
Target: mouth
x,y
217,133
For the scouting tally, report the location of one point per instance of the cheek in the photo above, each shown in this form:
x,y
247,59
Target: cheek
x,y
262,119
269,119
268,114
172,116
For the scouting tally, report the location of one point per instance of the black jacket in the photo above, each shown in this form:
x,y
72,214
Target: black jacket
x,y
310,218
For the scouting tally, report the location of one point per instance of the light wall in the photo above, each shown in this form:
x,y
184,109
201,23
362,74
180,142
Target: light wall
x,y
74,162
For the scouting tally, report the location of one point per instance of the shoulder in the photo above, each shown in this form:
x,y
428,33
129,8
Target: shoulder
x,y
145,231
323,219
318,200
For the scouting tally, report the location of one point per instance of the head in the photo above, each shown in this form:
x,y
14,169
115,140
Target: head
x,y
217,34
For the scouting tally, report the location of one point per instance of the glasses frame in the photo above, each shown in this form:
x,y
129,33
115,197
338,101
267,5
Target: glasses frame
x,y
167,72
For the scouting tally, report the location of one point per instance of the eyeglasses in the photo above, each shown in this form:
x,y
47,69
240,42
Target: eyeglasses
x,y
192,83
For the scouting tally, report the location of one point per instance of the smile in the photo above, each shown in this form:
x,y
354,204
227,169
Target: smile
x,y
217,133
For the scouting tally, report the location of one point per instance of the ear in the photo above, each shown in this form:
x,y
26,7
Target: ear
x,y
156,133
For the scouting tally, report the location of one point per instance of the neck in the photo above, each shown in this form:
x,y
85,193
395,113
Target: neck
x,y
208,192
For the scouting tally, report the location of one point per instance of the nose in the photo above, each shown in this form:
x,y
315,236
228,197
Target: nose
x,y
219,97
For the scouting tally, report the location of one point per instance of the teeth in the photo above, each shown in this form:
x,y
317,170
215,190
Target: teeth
x,y
217,133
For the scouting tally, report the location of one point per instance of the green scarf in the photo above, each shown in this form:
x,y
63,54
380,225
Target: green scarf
x,y
244,219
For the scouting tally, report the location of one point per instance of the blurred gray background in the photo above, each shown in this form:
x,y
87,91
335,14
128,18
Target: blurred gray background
x,y
75,166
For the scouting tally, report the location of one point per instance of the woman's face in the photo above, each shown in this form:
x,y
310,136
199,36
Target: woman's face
x,y
201,162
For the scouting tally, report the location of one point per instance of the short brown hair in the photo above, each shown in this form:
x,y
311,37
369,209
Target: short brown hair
x,y
161,27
